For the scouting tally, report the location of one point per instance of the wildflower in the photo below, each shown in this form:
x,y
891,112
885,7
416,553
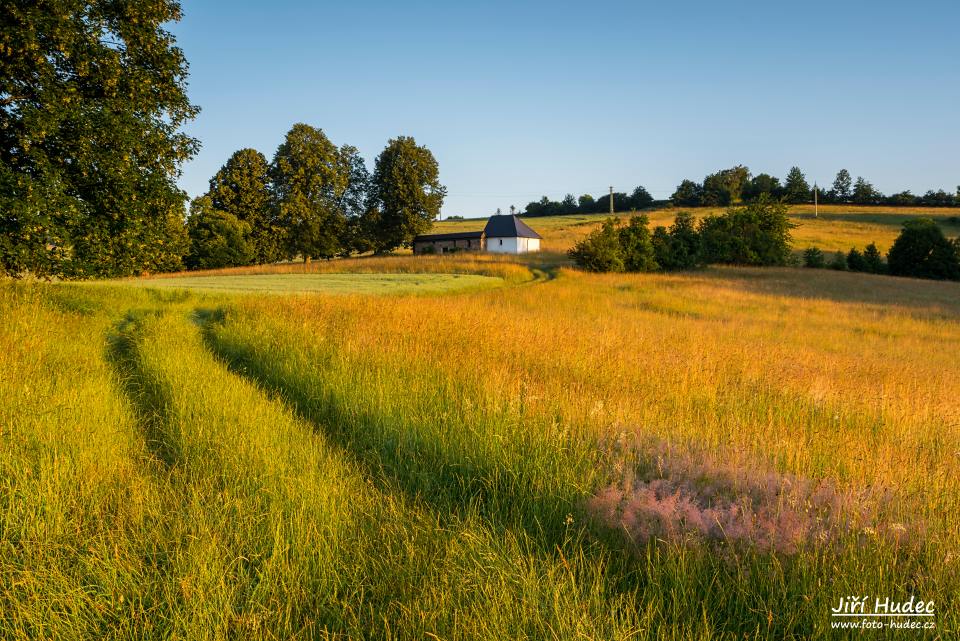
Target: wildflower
x,y
569,520
898,528
869,531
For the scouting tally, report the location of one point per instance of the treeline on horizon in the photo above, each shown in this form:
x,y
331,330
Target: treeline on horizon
x,y
737,184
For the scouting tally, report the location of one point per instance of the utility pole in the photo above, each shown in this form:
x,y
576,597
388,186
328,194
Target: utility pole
x,y
611,200
816,209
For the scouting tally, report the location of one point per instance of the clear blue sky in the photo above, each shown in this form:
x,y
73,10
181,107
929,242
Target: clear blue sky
x,y
522,99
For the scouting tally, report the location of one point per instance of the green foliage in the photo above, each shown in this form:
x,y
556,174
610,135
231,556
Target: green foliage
x,y
636,245
687,194
310,180
678,248
873,260
755,234
839,262
640,198
93,100
841,186
813,258
856,262
242,188
217,238
724,187
406,194
796,189
922,251
762,184
601,251
864,193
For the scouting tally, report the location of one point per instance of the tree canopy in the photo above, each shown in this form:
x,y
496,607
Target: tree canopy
x,y
242,188
406,194
92,101
310,179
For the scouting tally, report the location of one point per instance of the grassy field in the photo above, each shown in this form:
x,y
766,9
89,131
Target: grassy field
x,y
835,228
328,283
711,455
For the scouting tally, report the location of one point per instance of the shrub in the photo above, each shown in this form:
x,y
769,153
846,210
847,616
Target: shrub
x,y
636,245
922,251
856,262
756,234
813,258
217,238
873,260
839,262
601,251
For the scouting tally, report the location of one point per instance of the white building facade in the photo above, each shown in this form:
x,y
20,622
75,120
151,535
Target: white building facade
x,y
509,235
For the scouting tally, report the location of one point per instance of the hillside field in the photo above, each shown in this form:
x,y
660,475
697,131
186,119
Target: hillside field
x,y
835,228
480,447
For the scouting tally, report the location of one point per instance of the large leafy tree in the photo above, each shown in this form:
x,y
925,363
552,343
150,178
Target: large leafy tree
x,y
796,189
762,184
842,186
922,251
92,100
864,193
242,188
406,194
687,194
310,179
725,187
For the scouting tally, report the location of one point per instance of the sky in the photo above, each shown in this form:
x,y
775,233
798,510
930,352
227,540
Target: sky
x,y
517,100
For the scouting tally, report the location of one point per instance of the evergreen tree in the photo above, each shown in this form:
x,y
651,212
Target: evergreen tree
x,y
856,262
406,194
813,258
92,102
873,260
795,188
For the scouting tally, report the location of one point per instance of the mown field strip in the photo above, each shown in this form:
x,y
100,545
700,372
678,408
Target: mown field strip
x,y
326,283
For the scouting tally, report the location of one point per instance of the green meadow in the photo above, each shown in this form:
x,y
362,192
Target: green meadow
x,y
401,450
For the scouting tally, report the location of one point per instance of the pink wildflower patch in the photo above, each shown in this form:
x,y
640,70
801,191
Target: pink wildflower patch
x,y
683,497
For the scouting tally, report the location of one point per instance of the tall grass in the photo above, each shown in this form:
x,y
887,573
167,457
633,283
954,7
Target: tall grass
x,y
720,454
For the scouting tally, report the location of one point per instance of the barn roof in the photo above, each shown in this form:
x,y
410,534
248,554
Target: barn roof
x,y
507,226
457,235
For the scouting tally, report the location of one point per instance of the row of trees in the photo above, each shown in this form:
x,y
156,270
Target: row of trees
x,y
313,200
729,186
755,234
920,251
636,200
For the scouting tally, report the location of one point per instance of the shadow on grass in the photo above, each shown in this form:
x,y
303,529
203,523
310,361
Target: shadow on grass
x,y
148,399
929,298
421,466
510,498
